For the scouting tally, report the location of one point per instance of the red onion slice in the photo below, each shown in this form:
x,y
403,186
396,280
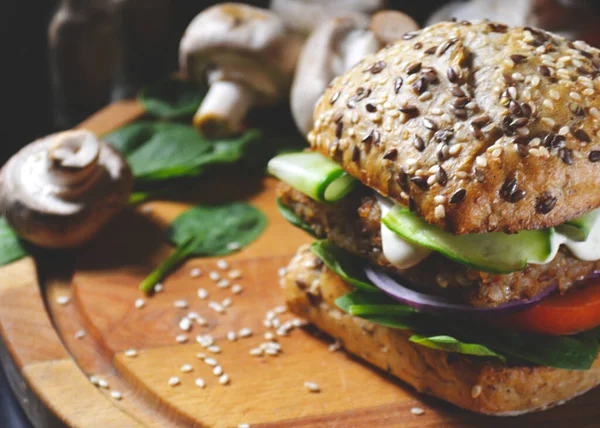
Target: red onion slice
x,y
441,304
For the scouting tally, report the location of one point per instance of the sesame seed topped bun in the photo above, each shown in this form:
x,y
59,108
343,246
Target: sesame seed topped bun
x,y
477,127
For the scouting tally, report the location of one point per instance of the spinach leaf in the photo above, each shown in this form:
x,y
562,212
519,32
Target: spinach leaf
x,y
291,217
215,227
170,99
172,150
450,344
11,248
346,265
129,137
576,352
164,150
209,230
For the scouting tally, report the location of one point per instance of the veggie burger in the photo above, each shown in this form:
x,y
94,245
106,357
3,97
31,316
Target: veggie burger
x,y
451,183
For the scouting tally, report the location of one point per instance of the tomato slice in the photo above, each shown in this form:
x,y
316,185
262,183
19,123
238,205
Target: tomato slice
x,y
575,311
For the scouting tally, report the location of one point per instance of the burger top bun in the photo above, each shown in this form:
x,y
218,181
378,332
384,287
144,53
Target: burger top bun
x,y
476,126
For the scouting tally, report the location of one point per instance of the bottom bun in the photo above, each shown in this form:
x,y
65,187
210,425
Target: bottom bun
x,y
478,384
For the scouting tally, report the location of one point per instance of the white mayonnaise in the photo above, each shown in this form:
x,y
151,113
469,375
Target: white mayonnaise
x,y
588,250
397,251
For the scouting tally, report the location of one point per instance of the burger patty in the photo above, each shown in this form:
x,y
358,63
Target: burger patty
x,y
354,224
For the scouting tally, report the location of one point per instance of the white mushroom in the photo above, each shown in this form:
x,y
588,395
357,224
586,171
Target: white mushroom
x,y
334,47
304,16
247,57
60,190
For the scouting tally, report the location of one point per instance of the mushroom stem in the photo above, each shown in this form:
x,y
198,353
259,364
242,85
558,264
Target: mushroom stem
x,y
356,46
224,108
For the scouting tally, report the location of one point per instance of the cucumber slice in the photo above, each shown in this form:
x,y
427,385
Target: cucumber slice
x,y
490,252
312,174
579,229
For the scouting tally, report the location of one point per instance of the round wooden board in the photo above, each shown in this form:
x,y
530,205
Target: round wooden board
x,y
49,367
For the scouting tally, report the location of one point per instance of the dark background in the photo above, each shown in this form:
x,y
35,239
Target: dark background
x,y
26,102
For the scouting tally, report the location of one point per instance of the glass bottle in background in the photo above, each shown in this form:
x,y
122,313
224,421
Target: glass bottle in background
x,y
84,53
149,50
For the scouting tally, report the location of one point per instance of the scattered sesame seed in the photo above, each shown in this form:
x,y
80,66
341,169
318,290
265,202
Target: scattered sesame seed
x,y
227,302
174,381
231,336
214,275
63,300
269,335
180,304
140,303
245,332
185,324
299,322
256,352
210,361
201,355
215,349
186,368
80,334
235,274
280,309
158,288
116,395
223,283
335,346
102,383
217,307
224,379
222,264
218,370
243,426
575,96
200,383
417,411
195,273
130,353
236,288
312,386
94,380
182,338
272,352
476,391
205,340
234,246
202,293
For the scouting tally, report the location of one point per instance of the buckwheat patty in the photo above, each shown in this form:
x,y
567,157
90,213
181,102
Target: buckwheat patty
x,y
479,126
354,224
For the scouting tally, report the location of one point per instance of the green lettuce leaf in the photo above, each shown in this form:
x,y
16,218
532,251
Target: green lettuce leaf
x,y
450,344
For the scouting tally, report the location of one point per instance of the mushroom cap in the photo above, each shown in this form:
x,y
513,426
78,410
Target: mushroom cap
x,y
242,43
476,126
322,59
335,46
389,26
306,15
59,196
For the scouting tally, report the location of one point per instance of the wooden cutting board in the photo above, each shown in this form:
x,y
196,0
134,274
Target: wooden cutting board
x,y
50,351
